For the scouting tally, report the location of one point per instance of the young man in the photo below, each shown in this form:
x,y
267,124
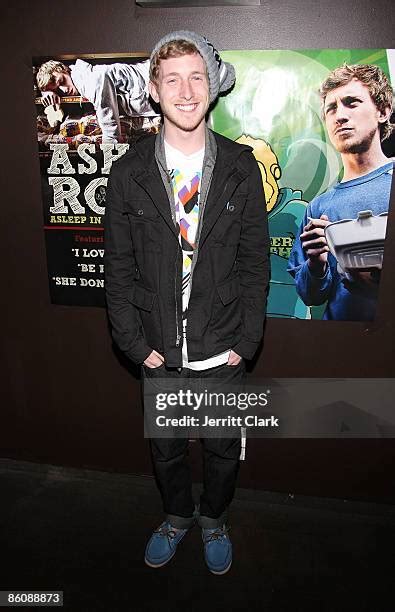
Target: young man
x,y
187,270
109,87
356,105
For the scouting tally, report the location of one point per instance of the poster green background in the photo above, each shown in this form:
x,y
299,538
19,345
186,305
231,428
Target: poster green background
x,y
276,100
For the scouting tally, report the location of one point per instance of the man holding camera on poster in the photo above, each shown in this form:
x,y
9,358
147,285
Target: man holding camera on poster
x,y
356,105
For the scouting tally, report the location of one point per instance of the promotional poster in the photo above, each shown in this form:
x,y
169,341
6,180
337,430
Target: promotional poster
x,y
275,107
103,106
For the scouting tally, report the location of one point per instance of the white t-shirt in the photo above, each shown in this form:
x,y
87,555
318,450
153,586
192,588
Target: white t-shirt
x,y
186,174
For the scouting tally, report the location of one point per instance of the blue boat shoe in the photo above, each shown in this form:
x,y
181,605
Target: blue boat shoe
x,y
217,549
162,545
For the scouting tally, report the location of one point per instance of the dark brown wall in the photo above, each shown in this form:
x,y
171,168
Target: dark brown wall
x,y
65,397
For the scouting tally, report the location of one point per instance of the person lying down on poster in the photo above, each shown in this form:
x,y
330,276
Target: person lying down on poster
x,y
113,89
356,107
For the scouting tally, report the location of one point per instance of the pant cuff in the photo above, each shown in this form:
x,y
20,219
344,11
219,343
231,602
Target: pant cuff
x,y
207,522
180,522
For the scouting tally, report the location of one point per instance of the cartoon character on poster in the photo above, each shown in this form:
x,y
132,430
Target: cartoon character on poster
x,y
286,208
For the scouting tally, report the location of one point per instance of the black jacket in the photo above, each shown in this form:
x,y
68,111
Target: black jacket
x,y
143,259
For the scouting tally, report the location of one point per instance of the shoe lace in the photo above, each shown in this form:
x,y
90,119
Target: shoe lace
x,y
217,534
167,531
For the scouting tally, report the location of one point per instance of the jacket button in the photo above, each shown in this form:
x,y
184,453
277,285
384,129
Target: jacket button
x,y
231,208
140,211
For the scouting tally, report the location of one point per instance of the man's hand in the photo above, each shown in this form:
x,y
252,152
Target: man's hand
x,y
315,245
363,281
50,97
233,359
54,115
154,360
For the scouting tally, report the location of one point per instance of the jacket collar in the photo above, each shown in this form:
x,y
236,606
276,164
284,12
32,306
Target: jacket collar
x,y
151,174
226,149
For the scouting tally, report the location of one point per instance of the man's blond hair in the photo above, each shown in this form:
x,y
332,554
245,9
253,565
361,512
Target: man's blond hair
x,y
45,75
375,80
174,48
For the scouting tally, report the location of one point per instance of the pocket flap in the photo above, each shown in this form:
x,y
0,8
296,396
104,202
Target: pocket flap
x,y
228,291
141,209
141,297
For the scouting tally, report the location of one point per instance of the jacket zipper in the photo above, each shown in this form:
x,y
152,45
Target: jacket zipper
x,y
178,336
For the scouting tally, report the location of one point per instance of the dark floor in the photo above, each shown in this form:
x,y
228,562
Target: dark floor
x,y
84,532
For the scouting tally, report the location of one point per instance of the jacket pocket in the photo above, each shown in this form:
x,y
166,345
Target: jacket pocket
x,y
227,229
142,298
148,304
228,291
142,210
145,225
226,315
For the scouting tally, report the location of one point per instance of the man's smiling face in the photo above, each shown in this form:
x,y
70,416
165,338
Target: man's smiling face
x,y
352,118
182,90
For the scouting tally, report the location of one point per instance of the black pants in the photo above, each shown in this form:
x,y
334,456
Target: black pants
x,y
220,461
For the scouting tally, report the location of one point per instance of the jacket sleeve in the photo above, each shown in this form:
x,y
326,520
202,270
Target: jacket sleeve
x,y
120,275
254,264
313,290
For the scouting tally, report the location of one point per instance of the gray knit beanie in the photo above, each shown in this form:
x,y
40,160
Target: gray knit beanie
x,y
221,75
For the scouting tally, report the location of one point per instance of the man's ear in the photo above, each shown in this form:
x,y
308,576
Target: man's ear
x,y
384,114
153,91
